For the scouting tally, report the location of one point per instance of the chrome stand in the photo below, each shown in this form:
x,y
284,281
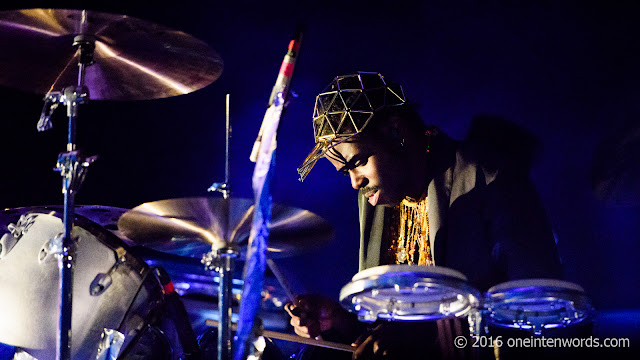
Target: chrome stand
x,y
72,167
225,187
223,260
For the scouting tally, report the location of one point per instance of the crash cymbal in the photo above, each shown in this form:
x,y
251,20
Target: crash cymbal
x,y
134,59
190,226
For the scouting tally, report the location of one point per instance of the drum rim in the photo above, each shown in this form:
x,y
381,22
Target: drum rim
x,y
358,287
383,270
107,237
517,285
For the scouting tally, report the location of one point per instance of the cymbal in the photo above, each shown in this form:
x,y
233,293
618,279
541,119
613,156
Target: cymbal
x,y
134,59
191,226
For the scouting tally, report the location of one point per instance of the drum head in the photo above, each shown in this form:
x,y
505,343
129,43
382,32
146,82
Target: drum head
x,y
537,304
409,293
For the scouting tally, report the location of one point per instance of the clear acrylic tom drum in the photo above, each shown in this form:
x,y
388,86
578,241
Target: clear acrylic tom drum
x,y
536,304
409,293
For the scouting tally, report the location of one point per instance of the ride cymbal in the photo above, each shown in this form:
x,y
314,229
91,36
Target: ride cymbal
x,y
134,59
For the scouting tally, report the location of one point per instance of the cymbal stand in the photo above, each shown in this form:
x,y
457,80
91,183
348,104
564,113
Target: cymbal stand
x,y
72,167
222,260
225,187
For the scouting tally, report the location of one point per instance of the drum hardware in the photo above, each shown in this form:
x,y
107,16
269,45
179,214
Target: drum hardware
x,y
222,261
225,187
102,281
72,167
50,248
21,226
110,344
10,239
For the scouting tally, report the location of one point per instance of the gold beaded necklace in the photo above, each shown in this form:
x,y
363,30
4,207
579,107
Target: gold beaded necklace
x,y
413,233
409,230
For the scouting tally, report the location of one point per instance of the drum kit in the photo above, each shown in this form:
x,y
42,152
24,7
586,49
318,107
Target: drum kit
x,y
80,268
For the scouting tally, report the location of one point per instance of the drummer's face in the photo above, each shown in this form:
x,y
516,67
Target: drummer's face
x,y
372,170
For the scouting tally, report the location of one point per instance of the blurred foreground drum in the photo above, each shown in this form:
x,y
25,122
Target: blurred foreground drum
x,y
537,305
409,293
112,289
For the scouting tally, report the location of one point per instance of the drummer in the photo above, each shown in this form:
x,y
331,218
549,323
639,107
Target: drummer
x,y
425,199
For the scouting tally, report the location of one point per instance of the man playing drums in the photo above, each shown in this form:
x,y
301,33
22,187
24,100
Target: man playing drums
x,y
425,199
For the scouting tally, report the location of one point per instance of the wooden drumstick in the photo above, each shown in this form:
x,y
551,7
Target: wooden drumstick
x,y
294,338
281,279
289,337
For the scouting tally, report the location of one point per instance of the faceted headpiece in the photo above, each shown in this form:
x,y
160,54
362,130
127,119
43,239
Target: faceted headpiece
x,y
345,108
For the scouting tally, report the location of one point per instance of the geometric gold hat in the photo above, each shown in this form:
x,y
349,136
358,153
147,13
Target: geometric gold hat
x,y
345,108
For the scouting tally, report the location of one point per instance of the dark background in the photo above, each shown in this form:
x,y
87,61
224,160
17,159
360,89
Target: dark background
x,y
565,70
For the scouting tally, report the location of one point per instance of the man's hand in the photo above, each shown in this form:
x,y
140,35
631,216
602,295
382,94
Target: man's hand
x,y
399,340
372,344
313,315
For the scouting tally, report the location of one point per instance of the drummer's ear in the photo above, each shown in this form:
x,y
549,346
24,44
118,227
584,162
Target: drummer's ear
x,y
397,132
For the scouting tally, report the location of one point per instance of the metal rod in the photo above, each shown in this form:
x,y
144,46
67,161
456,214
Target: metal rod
x,y
227,263
228,133
65,279
81,72
69,171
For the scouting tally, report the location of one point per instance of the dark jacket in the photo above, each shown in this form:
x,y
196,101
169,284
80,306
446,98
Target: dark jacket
x,y
485,218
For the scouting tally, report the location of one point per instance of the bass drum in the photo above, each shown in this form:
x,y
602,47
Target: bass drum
x,y
112,290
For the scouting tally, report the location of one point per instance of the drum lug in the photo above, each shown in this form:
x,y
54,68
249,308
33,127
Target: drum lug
x,y
51,248
10,239
100,284
7,243
22,226
110,344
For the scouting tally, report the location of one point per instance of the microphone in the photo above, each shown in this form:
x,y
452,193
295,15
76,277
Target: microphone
x,y
280,92
286,69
